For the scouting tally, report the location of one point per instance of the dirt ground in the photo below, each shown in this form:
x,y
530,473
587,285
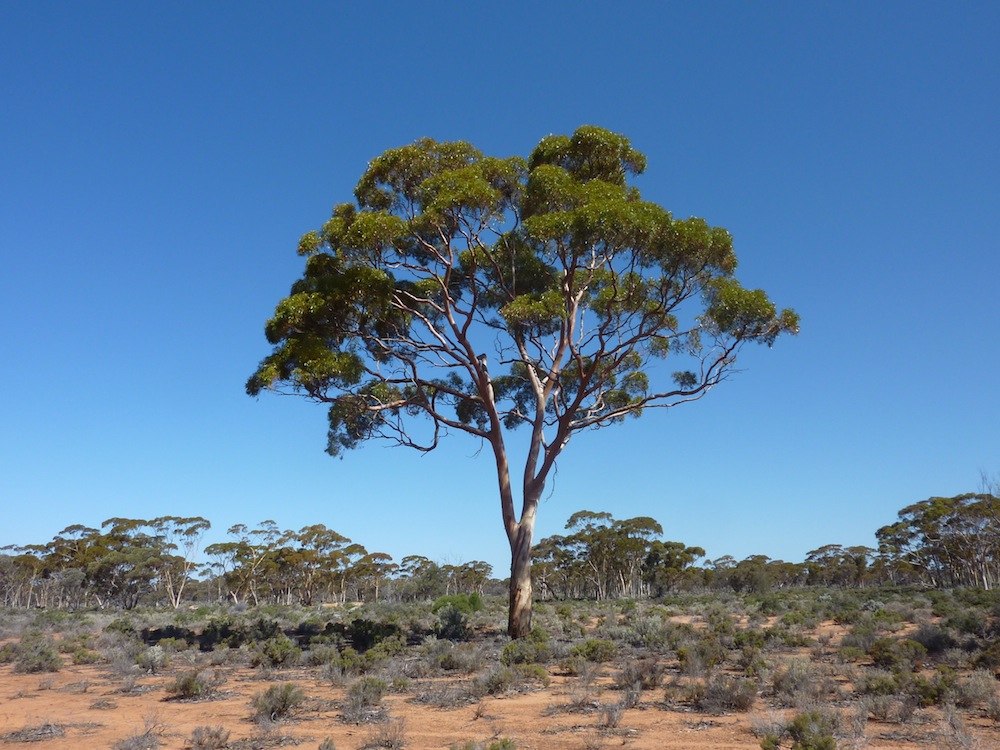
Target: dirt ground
x,y
90,707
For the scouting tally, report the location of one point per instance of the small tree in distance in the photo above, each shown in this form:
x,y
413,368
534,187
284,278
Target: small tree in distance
x,y
489,294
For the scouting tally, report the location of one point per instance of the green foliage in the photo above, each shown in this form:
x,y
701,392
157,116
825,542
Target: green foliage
x,y
813,730
897,655
276,703
504,743
367,692
279,651
464,603
142,741
446,248
989,658
191,684
363,634
452,624
221,631
36,653
535,649
84,656
596,650
463,657
704,653
879,682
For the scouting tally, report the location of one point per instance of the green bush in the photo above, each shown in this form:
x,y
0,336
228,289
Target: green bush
x,y
191,684
935,639
279,651
452,625
368,691
85,656
878,682
143,741
465,603
123,625
703,654
813,731
989,658
504,743
276,702
465,658
534,649
596,650
36,653
901,655
496,681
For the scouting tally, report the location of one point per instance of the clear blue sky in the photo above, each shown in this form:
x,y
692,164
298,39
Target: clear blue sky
x,y
159,161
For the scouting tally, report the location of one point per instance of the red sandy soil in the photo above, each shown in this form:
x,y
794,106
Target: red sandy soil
x,y
84,707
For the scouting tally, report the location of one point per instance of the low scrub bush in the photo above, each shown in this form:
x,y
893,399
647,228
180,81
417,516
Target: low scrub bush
x,y
465,658
702,655
276,702
209,738
935,639
978,689
279,651
153,660
535,649
799,683
504,743
596,650
36,653
902,655
501,680
363,698
465,603
143,741
812,730
723,694
647,673
389,736
191,684
453,625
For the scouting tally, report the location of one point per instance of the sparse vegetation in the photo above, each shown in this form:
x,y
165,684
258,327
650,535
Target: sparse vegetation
x,y
845,661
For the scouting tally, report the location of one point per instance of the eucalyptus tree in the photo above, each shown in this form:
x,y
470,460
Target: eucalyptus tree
x,y
371,570
183,536
240,563
485,294
947,540
666,564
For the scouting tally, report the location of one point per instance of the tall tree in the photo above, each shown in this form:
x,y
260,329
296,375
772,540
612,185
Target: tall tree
x,y
181,535
487,294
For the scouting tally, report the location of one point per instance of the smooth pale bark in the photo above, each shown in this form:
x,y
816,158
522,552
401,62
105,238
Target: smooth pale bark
x,y
519,614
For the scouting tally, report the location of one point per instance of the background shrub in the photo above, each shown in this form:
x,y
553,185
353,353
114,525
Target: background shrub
x,y
36,653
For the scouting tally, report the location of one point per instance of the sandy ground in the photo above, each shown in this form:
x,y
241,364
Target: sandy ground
x,y
86,707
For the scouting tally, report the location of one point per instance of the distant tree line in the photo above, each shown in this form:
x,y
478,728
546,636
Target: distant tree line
x,y
128,562
939,542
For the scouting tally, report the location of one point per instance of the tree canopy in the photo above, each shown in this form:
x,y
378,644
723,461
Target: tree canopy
x,y
469,293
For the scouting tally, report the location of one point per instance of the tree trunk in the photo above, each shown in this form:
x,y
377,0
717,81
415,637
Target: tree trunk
x,y
519,615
